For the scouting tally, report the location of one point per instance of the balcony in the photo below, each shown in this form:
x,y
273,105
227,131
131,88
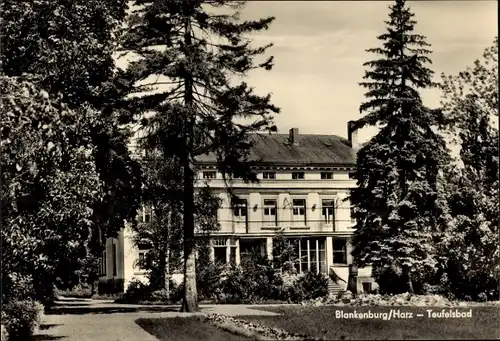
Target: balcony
x,y
283,184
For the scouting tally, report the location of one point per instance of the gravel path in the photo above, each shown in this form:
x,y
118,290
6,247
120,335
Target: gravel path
x,y
99,320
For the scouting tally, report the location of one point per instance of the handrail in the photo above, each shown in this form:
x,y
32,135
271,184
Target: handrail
x,y
334,277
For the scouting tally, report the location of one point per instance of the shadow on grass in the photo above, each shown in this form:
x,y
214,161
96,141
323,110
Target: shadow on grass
x,y
45,337
82,310
48,326
185,329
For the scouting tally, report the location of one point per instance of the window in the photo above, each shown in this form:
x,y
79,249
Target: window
x,y
339,251
326,175
114,259
240,208
250,247
297,175
220,251
142,257
220,255
312,254
102,264
219,242
143,250
299,210
146,215
209,175
327,210
269,175
270,207
220,247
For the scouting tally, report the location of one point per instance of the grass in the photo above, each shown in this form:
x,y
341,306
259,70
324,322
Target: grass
x,y
322,322
185,329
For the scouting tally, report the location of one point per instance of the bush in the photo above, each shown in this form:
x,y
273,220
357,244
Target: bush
x,y
236,288
309,286
137,291
79,291
209,281
21,318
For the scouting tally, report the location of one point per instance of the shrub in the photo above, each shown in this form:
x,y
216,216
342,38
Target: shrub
x,y
80,291
235,287
137,291
21,318
309,286
209,281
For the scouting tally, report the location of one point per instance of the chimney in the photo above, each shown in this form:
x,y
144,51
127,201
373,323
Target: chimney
x,y
352,134
294,136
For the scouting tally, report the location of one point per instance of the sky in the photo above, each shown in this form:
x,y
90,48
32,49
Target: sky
x,y
319,50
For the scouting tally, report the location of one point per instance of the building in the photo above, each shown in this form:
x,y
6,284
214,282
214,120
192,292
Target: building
x,y
303,191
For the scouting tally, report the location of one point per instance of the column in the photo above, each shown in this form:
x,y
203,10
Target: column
x,y
228,250
317,257
238,259
308,255
329,253
349,250
269,248
212,253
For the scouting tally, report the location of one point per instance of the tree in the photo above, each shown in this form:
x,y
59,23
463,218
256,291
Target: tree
x,y
285,252
48,187
164,230
199,51
69,45
397,206
470,244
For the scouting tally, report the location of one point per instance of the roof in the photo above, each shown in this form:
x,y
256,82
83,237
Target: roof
x,y
310,149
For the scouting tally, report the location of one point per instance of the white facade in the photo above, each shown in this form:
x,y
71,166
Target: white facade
x,y
309,203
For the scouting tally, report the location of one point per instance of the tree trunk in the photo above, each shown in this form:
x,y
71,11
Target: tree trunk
x,y
167,260
190,301
407,279
160,281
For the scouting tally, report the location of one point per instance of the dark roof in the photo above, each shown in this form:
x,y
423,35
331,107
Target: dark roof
x,y
326,150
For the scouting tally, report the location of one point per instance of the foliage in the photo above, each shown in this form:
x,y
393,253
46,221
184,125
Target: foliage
x,y
49,185
285,252
20,318
397,204
209,280
308,286
197,51
469,246
68,46
163,232
137,291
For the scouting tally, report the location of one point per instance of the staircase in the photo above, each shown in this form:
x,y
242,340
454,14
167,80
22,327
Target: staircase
x,y
334,288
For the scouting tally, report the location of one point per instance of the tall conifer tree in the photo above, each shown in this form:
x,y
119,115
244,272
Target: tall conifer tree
x,y
396,203
197,51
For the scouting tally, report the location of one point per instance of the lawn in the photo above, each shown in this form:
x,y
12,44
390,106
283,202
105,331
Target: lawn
x,y
322,322
185,329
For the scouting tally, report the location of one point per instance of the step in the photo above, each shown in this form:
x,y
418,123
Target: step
x,y
333,287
